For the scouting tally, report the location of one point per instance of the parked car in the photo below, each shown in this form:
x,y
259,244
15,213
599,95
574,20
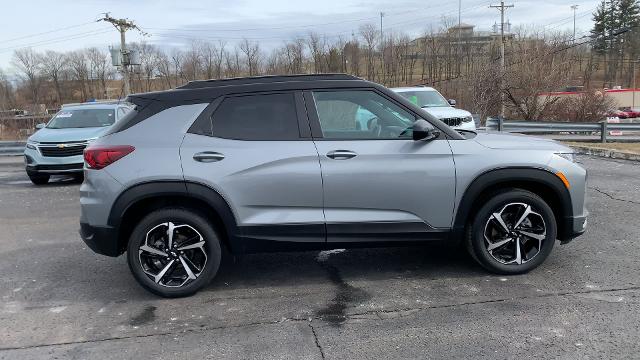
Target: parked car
x,y
280,163
630,113
56,148
435,104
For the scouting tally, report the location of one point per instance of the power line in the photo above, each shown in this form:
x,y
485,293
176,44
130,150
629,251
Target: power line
x,y
56,40
47,32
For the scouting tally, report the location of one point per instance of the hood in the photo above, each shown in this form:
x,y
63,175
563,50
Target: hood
x,y
499,140
67,135
446,112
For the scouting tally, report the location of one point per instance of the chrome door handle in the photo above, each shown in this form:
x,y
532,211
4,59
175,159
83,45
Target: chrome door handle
x,y
208,156
341,154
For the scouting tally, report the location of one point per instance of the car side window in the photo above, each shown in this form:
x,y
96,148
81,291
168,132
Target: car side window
x,y
361,114
257,117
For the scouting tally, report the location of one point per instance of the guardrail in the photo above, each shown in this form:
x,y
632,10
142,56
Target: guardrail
x,y
19,128
540,127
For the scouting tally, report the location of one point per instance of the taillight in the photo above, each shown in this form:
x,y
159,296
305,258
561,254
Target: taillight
x,y
100,156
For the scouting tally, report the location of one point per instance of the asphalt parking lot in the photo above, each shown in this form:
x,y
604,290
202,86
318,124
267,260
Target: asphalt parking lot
x,y
60,300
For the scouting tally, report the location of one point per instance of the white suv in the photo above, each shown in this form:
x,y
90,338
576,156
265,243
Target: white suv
x,y
435,104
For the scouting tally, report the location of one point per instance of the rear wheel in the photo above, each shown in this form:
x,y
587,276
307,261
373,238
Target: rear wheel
x,y
38,179
512,233
174,252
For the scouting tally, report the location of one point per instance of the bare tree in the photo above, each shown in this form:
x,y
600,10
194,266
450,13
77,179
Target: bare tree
x,y
53,66
251,52
536,66
294,54
316,45
6,92
80,72
99,66
28,63
370,35
192,62
164,66
232,61
148,68
588,106
177,61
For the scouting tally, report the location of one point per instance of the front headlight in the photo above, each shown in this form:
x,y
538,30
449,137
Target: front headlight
x,y
32,144
569,156
468,119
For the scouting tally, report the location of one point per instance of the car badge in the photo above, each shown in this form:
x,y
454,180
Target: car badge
x,y
61,146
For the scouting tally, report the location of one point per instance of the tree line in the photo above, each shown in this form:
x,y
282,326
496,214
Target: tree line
x,y
462,64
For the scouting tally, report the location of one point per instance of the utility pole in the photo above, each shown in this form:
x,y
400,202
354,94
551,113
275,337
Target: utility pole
x,y
459,60
574,8
382,48
502,7
123,25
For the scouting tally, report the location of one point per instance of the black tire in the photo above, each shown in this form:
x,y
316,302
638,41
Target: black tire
x,y
178,216
505,200
38,179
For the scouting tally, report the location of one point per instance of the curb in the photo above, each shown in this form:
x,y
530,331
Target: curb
x,y
607,153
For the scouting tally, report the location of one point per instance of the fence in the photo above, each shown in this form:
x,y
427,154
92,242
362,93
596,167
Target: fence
x,y
19,128
548,127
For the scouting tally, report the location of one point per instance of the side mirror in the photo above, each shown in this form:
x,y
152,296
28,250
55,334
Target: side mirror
x,y
424,131
451,102
40,126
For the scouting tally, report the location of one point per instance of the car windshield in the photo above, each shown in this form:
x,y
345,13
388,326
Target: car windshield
x,y
82,118
425,98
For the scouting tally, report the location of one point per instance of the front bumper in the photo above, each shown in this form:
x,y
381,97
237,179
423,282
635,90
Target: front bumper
x,y
36,163
575,226
470,125
102,240
54,169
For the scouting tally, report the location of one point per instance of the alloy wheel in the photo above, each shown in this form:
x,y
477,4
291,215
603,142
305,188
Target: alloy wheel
x,y
173,255
514,235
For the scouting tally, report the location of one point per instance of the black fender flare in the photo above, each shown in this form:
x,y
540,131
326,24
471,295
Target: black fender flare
x,y
495,177
193,190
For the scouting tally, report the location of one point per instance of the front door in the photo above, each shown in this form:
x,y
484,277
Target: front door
x,y
379,184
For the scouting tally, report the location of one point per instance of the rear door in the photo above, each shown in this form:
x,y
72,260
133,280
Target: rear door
x,y
379,184
253,151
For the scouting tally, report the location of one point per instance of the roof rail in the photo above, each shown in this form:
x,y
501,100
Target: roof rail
x,y
97,102
198,84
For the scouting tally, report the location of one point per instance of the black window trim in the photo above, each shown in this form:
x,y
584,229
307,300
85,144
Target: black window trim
x,y
304,132
314,120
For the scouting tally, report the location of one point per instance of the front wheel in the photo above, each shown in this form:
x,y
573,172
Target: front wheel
x,y
174,252
512,233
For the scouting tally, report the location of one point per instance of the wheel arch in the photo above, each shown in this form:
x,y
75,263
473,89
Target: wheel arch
x,y
539,181
140,199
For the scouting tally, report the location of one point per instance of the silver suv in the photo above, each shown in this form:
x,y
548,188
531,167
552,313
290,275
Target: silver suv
x,y
435,104
56,148
224,167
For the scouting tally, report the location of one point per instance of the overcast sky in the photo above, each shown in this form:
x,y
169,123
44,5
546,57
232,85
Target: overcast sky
x,y
70,24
